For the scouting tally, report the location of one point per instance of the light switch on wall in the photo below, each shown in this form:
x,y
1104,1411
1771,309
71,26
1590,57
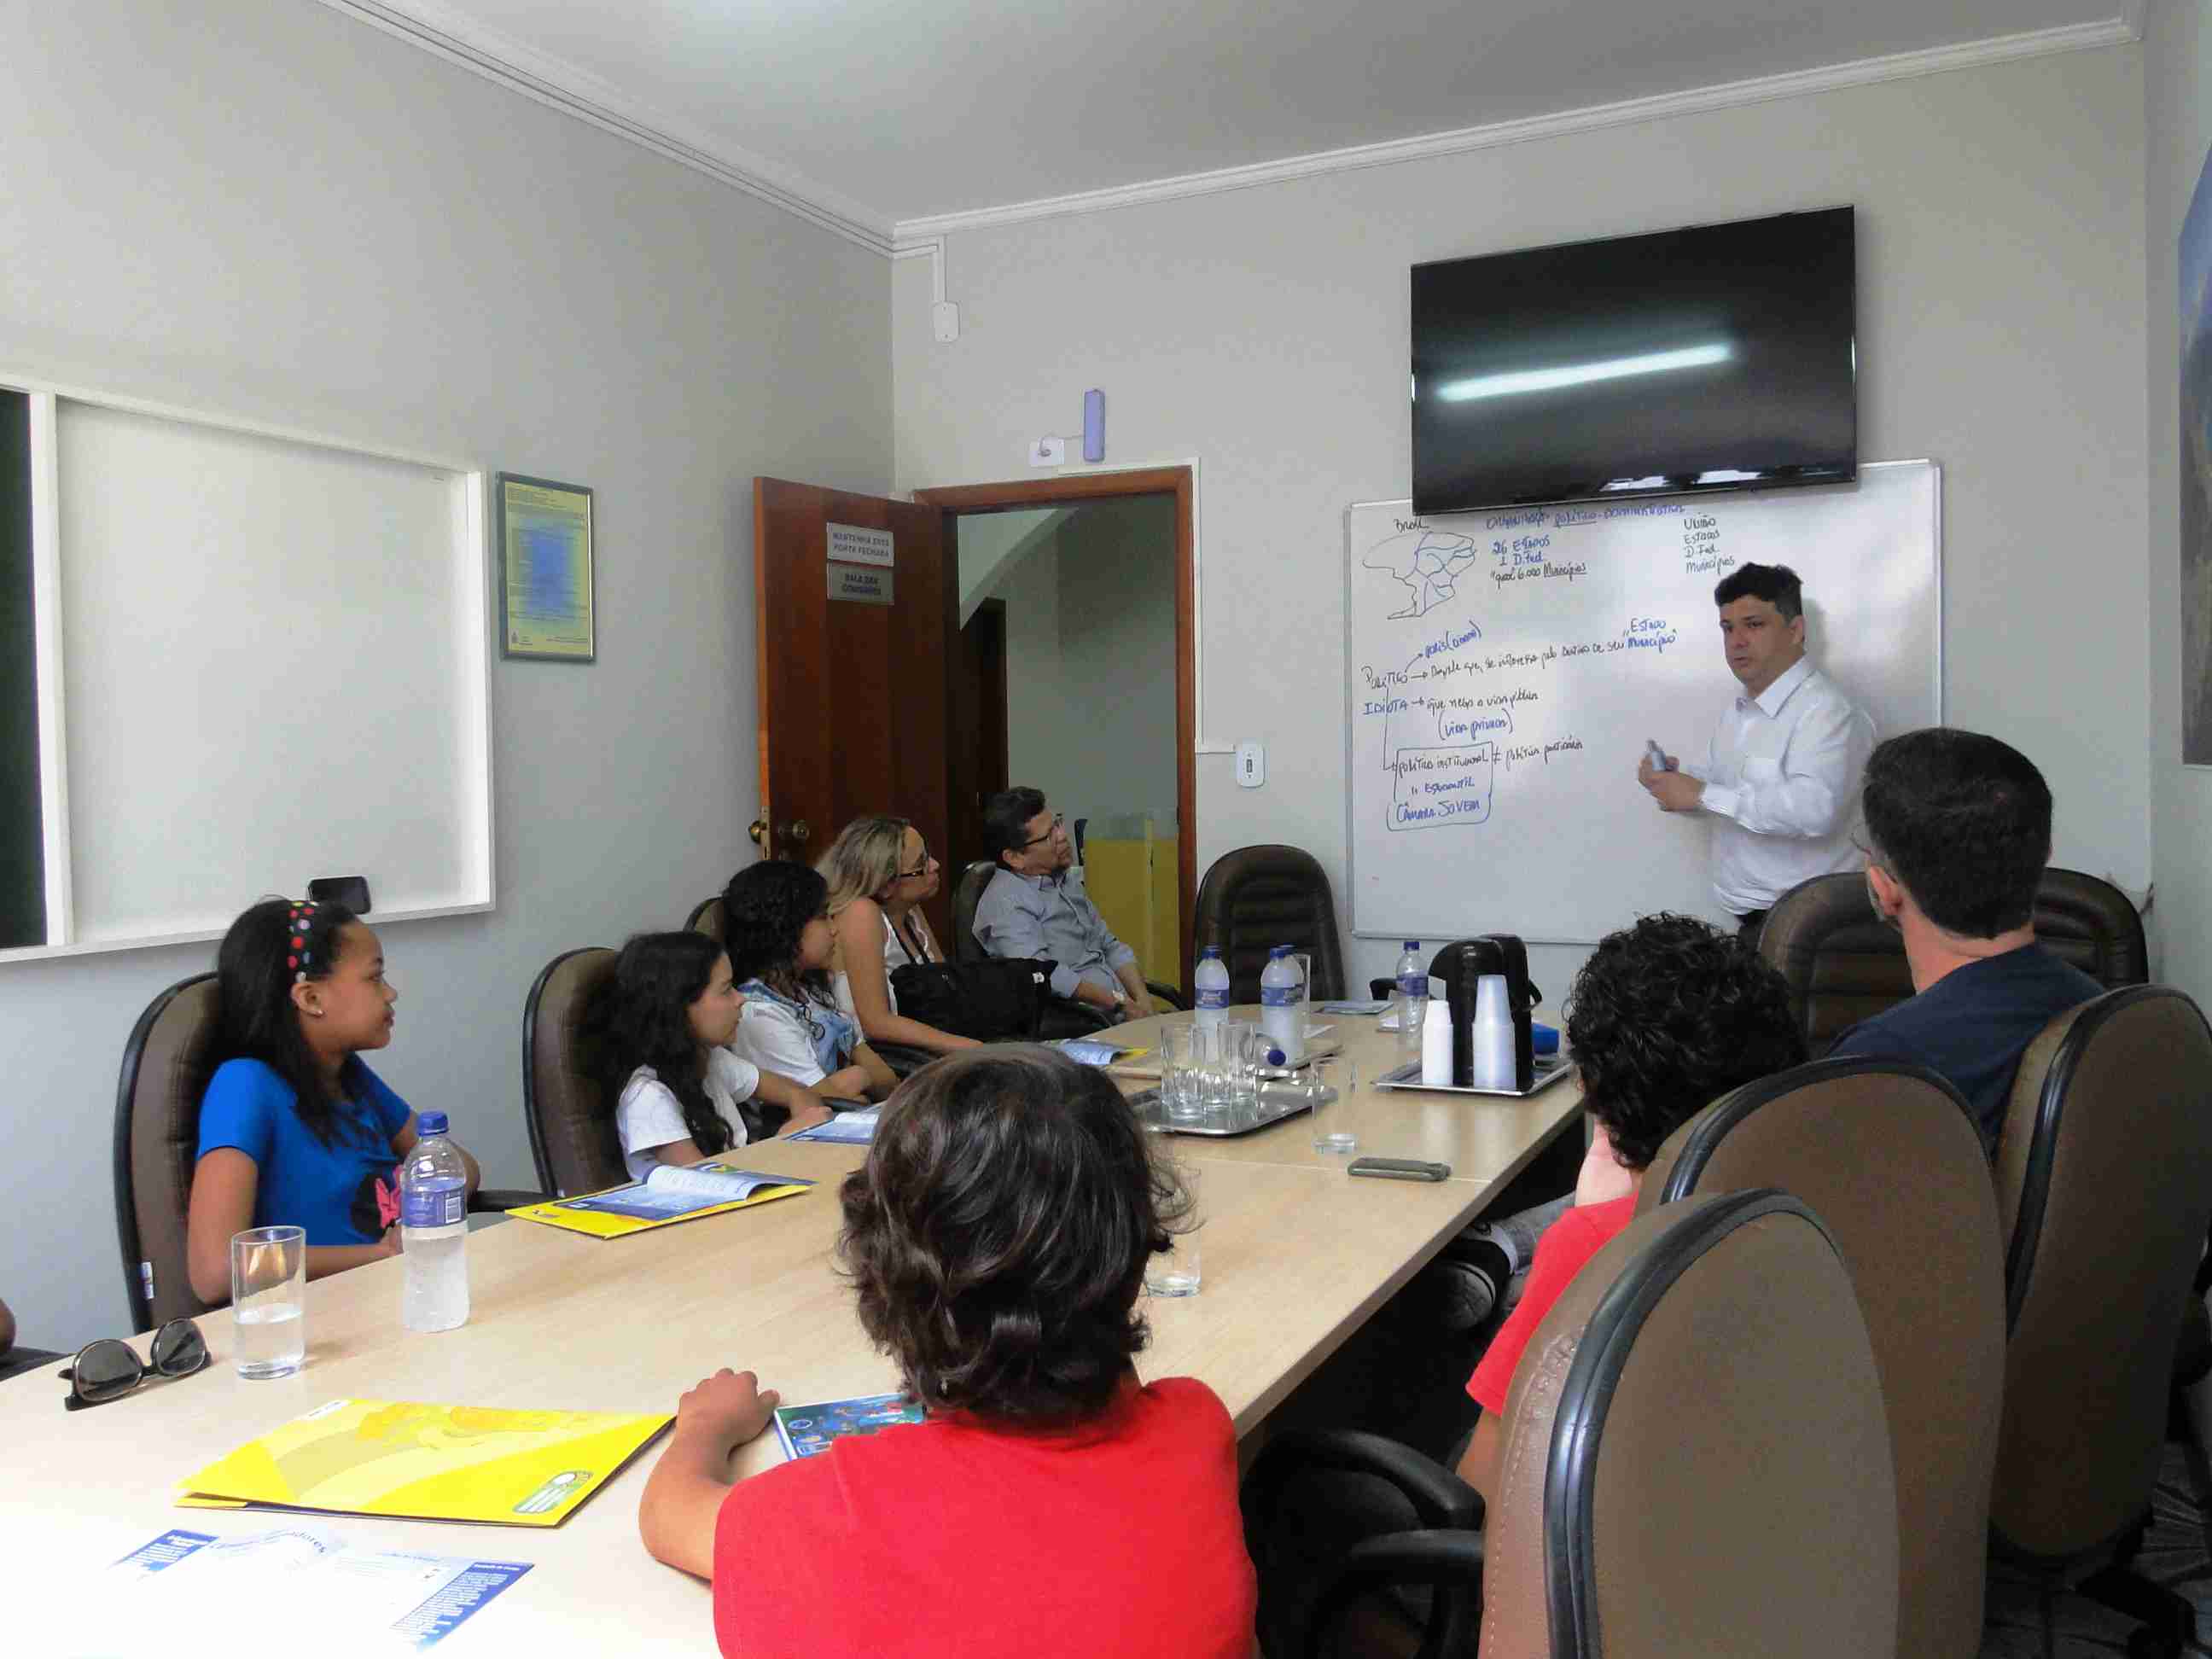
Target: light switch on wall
x,y
1251,764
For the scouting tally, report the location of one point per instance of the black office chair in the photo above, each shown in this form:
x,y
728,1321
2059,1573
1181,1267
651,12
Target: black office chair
x,y
1258,897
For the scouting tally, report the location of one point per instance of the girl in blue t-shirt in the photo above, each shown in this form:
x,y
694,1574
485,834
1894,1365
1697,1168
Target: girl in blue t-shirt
x,y
295,1129
775,924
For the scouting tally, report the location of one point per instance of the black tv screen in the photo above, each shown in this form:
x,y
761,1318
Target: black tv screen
x,y
1718,357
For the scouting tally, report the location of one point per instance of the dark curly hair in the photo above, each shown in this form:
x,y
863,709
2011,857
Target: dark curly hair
x,y
263,956
998,1234
641,1017
765,909
1665,1017
1964,821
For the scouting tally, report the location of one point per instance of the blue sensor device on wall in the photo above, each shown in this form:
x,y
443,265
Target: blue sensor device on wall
x,y
1094,425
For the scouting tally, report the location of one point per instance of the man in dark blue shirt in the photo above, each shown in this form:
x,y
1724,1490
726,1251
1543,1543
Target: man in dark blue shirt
x,y
1958,829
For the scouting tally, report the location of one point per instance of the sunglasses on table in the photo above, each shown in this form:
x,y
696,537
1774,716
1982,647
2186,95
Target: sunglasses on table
x,y
111,1368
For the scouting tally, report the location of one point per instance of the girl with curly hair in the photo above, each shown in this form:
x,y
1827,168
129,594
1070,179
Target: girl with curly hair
x,y
661,1023
775,926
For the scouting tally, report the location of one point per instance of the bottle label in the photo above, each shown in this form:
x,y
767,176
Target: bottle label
x,y
1413,984
1280,996
441,1206
1214,998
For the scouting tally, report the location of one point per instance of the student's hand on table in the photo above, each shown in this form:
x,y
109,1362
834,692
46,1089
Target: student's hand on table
x,y
392,1242
805,1117
1137,1008
725,1410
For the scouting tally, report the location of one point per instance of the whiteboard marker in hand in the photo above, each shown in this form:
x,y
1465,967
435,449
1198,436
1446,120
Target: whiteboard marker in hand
x,y
1657,756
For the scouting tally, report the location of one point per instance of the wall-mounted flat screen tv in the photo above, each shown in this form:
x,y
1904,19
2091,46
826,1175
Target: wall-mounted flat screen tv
x,y
1718,357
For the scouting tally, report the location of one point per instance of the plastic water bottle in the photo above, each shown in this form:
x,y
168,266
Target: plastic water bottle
x,y
1213,982
434,1229
1413,977
1282,1006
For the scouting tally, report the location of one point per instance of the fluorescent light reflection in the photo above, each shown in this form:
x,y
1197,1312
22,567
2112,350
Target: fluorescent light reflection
x,y
1611,368
1727,475
1656,481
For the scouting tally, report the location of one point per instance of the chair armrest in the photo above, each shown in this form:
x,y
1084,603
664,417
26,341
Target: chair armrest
x,y
839,1103
1450,1561
903,1059
1438,1497
494,1201
1170,994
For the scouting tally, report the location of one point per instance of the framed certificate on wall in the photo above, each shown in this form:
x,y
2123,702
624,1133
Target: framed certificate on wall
x,y
545,577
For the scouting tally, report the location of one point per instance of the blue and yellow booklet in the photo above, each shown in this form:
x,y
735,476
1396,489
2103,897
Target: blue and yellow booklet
x,y
805,1431
670,1193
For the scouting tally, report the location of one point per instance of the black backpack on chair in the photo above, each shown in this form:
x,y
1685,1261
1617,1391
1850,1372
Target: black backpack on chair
x,y
995,1002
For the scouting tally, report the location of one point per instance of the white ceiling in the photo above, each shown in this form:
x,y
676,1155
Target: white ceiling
x,y
882,113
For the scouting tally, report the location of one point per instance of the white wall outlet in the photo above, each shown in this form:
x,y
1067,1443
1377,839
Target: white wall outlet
x,y
1049,452
944,321
1251,764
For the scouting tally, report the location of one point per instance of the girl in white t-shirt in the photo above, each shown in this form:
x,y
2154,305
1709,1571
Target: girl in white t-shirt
x,y
662,1023
775,924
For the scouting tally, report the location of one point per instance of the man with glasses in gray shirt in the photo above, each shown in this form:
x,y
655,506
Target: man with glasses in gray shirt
x,y
1036,906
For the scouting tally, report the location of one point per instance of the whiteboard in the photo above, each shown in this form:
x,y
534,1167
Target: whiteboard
x,y
1504,671
273,667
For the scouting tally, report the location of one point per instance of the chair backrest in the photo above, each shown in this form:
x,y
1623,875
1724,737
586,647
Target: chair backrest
x,y
705,918
1845,964
2104,1179
157,1132
1258,897
571,1122
1695,1458
1887,1155
967,894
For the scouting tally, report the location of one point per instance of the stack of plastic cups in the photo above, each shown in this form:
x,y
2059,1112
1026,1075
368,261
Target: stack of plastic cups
x,y
1492,1045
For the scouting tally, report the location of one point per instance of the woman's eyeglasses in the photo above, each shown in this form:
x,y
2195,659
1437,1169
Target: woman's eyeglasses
x,y
1059,820
110,1368
920,869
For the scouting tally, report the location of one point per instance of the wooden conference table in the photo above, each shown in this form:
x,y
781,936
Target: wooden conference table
x,y
1295,1256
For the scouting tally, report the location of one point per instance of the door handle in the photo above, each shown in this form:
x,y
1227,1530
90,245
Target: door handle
x,y
796,832
758,831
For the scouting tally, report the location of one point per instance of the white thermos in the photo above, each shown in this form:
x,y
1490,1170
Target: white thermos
x,y
1436,1044
1492,1043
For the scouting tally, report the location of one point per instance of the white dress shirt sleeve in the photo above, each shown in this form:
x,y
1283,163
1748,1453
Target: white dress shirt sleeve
x,y
1808,795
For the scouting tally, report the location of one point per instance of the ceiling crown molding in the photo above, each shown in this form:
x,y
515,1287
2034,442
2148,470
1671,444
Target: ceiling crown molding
x,y
2117,31
438,28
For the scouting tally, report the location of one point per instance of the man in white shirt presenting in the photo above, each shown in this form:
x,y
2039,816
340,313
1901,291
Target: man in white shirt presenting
x,y
1783,771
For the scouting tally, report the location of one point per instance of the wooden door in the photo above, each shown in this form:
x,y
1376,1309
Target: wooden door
x,y
853,691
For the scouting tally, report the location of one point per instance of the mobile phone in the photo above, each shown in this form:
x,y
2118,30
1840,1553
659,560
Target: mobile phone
x,y
1400,1169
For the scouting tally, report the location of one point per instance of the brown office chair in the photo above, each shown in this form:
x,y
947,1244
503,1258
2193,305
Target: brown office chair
x,y
1258,897
967,894
2103,1195
1695,1461
1845,964
157,1136
572,1128
1888,1156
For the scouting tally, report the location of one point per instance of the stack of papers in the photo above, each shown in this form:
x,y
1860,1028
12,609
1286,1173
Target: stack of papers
x,y
847,1128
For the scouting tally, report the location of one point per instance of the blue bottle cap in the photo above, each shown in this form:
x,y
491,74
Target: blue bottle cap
x,y
430,1123
1211,950
1412,945
1280,950
1276,1056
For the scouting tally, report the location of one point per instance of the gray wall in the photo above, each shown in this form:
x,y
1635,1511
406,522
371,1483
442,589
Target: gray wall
x,y
275,213
1264,333
2178,49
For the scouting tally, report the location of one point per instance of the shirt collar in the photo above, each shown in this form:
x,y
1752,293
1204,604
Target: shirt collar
x,y
1050,878
1770,701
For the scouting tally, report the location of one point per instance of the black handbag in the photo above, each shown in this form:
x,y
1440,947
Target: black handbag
x,y
991,1002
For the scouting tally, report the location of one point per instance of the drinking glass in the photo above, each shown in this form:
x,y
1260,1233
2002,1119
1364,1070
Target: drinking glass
x,y
1243,1045
1329,1084
1184,1071
269,1300
1176,1273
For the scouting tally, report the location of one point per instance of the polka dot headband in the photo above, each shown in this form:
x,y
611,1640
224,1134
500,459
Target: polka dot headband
x,y
302,920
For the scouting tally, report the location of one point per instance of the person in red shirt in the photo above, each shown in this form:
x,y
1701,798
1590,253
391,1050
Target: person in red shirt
x,y
1665,1018
1049,1503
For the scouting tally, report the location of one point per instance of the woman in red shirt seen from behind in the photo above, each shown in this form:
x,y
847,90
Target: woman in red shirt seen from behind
x,y
997,1236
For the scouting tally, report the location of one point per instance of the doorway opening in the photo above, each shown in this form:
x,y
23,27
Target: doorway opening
x,y
1074,674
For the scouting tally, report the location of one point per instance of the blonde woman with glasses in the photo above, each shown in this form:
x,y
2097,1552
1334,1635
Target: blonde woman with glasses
x,y
880,871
